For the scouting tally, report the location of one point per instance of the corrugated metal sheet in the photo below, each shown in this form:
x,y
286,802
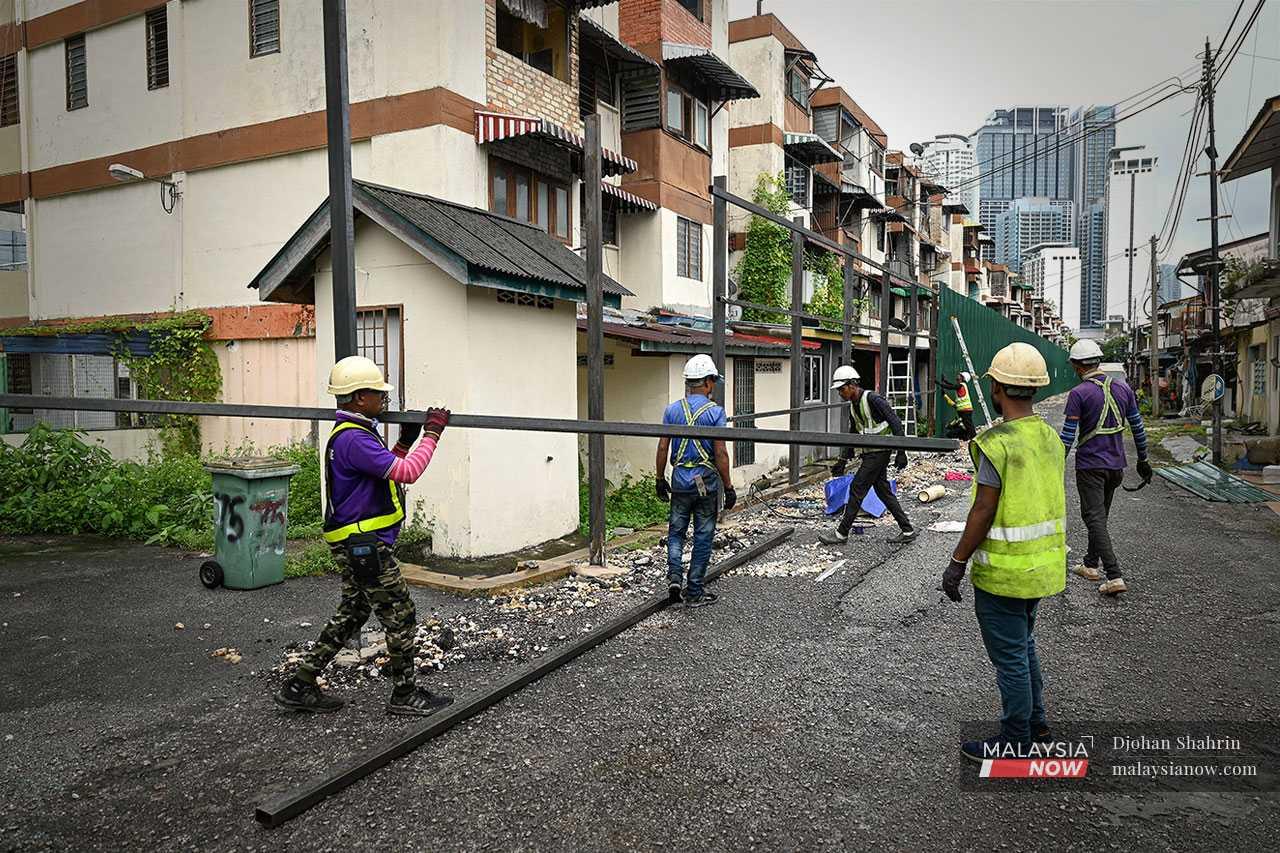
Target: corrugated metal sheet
x,y
1214,484
986,332
91,343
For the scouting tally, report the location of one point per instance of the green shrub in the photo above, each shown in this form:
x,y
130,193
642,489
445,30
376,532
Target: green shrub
x,y
633,504
314,560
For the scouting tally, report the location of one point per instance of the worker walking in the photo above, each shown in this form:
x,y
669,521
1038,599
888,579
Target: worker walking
x,y
1016,535
963,403
364,509
699,475
1098,409
870,414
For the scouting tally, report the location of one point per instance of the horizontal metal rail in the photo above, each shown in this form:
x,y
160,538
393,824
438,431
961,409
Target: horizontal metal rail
x,y
756,306
812,407
502,422
277,810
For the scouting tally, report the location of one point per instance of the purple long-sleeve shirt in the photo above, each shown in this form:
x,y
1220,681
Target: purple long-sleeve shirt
x,y
359,471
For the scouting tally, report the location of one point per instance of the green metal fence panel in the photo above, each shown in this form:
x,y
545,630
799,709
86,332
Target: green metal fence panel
x,y
986,332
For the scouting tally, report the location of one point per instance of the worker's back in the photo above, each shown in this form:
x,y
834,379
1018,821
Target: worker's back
x,y
1088,402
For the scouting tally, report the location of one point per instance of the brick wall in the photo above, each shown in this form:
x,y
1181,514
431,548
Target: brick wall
x,y
646,22
512,86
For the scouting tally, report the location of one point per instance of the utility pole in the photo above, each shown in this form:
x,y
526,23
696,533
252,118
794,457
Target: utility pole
x,y
846,331
886,308
594,239
797,347
1155,335
342,232
719,282
1133,189
1215,263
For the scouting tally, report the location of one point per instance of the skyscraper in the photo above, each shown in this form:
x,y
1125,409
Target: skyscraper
x,y
1093,272
1022,152
1093,134
949,158
1028,222
1170,284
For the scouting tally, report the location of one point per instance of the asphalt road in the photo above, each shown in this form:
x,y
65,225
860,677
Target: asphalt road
x,y
795,714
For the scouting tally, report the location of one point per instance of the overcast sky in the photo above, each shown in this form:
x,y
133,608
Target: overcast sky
x,y
940,66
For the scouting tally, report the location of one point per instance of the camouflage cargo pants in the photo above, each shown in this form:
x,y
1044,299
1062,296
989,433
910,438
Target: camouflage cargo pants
x,y
387,595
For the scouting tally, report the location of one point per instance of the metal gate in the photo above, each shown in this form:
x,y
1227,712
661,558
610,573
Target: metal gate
x,y
744,403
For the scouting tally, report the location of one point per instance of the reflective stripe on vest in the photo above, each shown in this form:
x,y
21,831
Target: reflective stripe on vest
x,y
863,420
964,403
364,525
1025,553
1110,409
691,419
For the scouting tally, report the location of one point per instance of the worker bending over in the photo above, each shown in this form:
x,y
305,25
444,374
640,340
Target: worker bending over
x,y
870,414
364,508
699,473
1099,407
1016,536
963,403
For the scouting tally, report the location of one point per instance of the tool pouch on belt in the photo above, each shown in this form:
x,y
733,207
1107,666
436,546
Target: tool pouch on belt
x,y
362,555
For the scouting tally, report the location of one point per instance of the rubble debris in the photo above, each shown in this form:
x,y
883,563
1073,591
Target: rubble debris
x,y
946,526
178,626
932,493
228,654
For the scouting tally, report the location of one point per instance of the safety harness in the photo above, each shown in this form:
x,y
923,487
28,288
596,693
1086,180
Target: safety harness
x,y
1109,410
691,419
392,509
862,418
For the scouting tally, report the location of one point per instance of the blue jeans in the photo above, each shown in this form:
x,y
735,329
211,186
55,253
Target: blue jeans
x,y
702,510
1007,625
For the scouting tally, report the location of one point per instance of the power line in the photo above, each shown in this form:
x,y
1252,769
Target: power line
x,y
1236,45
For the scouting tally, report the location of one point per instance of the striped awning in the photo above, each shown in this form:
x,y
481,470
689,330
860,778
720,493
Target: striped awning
x,y
630,202
810,149
496,127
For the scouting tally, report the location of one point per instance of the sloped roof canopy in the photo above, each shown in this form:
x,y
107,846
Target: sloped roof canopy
x,y
710,76
474,247
1260,145
595,34
810,149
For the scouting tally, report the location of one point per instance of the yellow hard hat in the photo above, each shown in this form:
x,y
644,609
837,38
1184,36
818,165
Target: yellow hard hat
x,y
356,373
1019,364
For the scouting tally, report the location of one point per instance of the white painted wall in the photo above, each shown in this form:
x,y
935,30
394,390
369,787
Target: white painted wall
x,y
131,445
761,61
279,372
746,164
13,293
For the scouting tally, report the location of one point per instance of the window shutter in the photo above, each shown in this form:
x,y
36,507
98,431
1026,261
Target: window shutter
x,y
641,108
77,73
158,48
825,123
682,247
264,27
9,90
588,70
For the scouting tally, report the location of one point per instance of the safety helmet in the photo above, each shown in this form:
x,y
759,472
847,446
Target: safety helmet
x,y
1085,350
844,374
356,373
966,376
700,367
1021,365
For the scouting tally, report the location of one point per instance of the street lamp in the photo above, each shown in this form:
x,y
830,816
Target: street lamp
x,y
1133,189
169,192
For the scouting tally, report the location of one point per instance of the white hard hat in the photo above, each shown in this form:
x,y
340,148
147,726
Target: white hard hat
x,y
966,376
356,373
844,374
1086,350
1021,365
700,367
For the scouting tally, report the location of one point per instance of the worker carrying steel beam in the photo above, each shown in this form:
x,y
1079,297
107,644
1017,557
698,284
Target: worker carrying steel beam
x,y
1016,536
364,509
1099,407
699,476
870,414
963,404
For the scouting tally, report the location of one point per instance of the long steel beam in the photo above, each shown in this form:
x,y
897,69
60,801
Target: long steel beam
x,y
279,809
812,407
503,422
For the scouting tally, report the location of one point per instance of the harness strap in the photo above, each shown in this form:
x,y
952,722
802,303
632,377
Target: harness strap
x,y
691,419
1110,409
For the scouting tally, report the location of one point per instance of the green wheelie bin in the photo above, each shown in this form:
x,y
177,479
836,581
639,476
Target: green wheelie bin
x,y
250,513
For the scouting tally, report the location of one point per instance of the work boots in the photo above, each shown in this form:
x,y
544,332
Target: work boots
x,y
297,695
833,537
902,537
1086,571
417,702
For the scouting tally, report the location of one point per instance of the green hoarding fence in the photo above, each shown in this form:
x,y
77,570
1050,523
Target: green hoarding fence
x,y
986,333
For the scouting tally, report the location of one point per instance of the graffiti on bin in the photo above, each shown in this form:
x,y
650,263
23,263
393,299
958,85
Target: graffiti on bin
x,y
269,511
227,518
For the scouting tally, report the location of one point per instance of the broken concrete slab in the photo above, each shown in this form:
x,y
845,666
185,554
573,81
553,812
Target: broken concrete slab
x,y
1264,450
547,570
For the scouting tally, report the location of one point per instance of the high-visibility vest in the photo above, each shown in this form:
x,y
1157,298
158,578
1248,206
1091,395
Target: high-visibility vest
x,y
389,511
863,421
964,403
703,459
1025,552
1110,410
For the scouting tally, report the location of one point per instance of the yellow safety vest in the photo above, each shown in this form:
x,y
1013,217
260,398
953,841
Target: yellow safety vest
x,y
1110,409
1025,552
863,420
393,508
964,403
691,419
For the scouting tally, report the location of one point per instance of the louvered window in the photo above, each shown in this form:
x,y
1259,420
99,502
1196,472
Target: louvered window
x,y
9,90
688,249
641,107
77,73
158,48
264,27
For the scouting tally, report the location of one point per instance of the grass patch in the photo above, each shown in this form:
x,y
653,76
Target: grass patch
x,y
312,561
634,504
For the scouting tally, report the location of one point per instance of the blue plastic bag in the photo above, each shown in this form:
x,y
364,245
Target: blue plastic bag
x,y
837,491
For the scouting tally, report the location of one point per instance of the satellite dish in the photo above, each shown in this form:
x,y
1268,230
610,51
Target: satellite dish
x,y
917,149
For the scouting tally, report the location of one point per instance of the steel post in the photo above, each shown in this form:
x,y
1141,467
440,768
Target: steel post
x,y
341,218
797,346
594,239
719,283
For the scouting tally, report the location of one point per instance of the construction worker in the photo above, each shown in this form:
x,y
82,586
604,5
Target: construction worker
x,y
1016,536
870,414
364,508
963,403
1098,409
699,474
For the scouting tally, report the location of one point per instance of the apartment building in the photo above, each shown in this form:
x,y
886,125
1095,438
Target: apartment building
x,y
1053,271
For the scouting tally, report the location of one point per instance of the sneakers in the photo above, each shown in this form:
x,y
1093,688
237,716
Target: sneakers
x,y
297,695
902,537
704,600
420,702
981,750
673,593
1115,586
1089,573
833,537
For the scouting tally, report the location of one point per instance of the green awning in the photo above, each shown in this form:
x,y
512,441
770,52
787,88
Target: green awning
x,y
899,291
924,294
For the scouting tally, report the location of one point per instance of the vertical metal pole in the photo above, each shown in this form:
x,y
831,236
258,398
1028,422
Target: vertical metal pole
x,y
594,238
797,346
1133,185
1062,288
1215,261
846,331
911,356
1155,357
886,308
341,221
719,281
935,336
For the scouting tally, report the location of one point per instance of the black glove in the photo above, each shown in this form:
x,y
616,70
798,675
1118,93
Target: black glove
x,y
409,434
435,422
951,579
730,498
838,469
1144,470
902,460
664,491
